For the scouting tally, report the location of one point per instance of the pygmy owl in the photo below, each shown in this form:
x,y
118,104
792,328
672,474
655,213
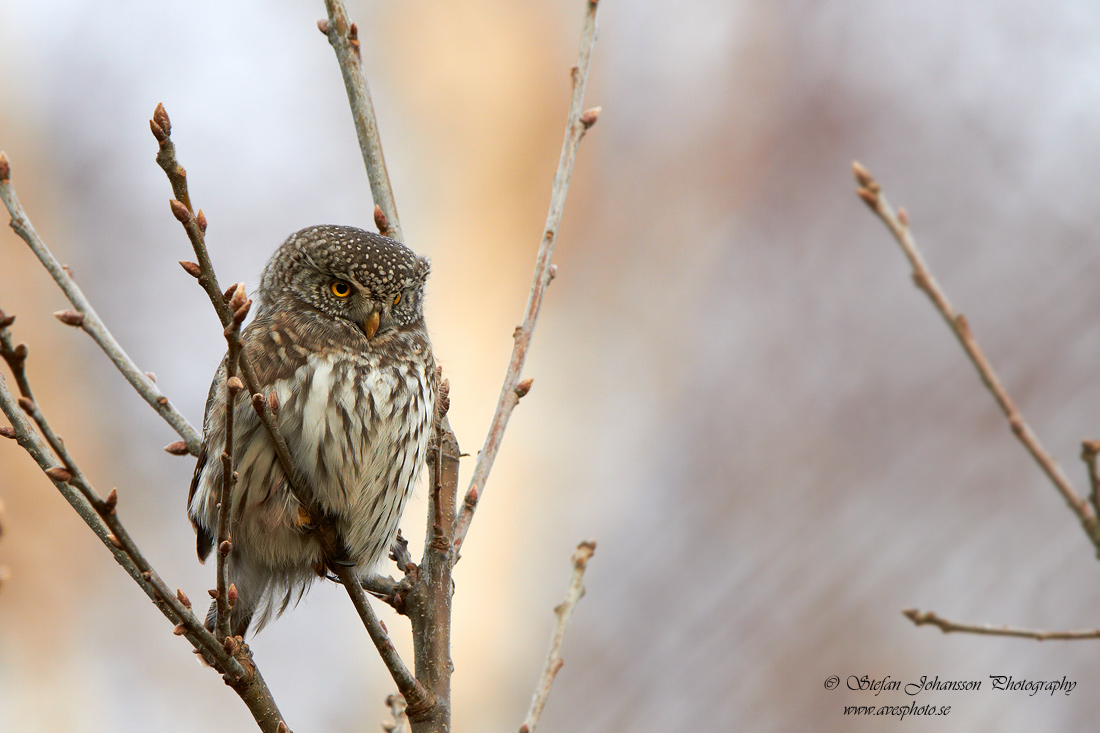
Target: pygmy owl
x,y
339,337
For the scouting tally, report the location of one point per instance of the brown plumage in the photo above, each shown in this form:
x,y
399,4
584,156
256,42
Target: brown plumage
x,y
339,337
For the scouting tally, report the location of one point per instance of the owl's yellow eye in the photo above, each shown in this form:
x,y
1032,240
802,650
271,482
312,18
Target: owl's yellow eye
x,y
341,289
397,299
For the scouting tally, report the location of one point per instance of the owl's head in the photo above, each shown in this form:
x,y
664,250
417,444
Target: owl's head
x,y
341,272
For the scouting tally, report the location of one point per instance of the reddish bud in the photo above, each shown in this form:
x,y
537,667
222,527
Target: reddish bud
x,y
162,401
553,272
869,197
26,404
70,317
242,313
5,167
524,387
903,216
213,593
235,384
231,594
353,32
6,320
322,25
180,630
114,541
152,377
273,403
20,352
381,221
471,498
200,219
160,117
259,404
229,292
157,130
179,211
179,448
58,473
225,548
231,646
7,432
282,728
111,501
191,268
183,598
589,117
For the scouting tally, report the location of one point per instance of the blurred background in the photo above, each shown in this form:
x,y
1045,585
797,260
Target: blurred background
x,y
738,393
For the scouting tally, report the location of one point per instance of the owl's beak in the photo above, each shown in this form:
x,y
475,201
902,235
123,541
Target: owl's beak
x,y
370,326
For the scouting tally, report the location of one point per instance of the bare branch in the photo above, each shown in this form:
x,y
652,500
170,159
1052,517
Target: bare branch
x,y
344,38
579,122
1090,449
564,612
414,692
102,517
921,618
898,224
89,320
239,304
195,226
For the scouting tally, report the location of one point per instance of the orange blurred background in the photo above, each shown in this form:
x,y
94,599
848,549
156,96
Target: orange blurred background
x,y
773,437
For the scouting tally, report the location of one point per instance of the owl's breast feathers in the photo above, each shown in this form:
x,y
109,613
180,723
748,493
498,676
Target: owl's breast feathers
x,y
357,418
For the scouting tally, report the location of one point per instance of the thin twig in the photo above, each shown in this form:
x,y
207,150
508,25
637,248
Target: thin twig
x,y
564,612
1090,449
239,304
513,389
898,224
102,517
921,618
417,697
344,38
89,320
195,226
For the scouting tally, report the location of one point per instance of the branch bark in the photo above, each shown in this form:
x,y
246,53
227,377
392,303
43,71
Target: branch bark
x,y
513,389
89,320
101,516
921,618
573,594
344,38
898,223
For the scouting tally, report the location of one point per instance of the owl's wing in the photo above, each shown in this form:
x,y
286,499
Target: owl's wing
x,y
204,541
275,353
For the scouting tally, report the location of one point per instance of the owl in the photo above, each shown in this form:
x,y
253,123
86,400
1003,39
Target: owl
x,y
339,338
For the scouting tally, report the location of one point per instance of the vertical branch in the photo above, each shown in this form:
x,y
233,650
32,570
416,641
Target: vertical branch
x,y
513,389
344,38
428,604
239,304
